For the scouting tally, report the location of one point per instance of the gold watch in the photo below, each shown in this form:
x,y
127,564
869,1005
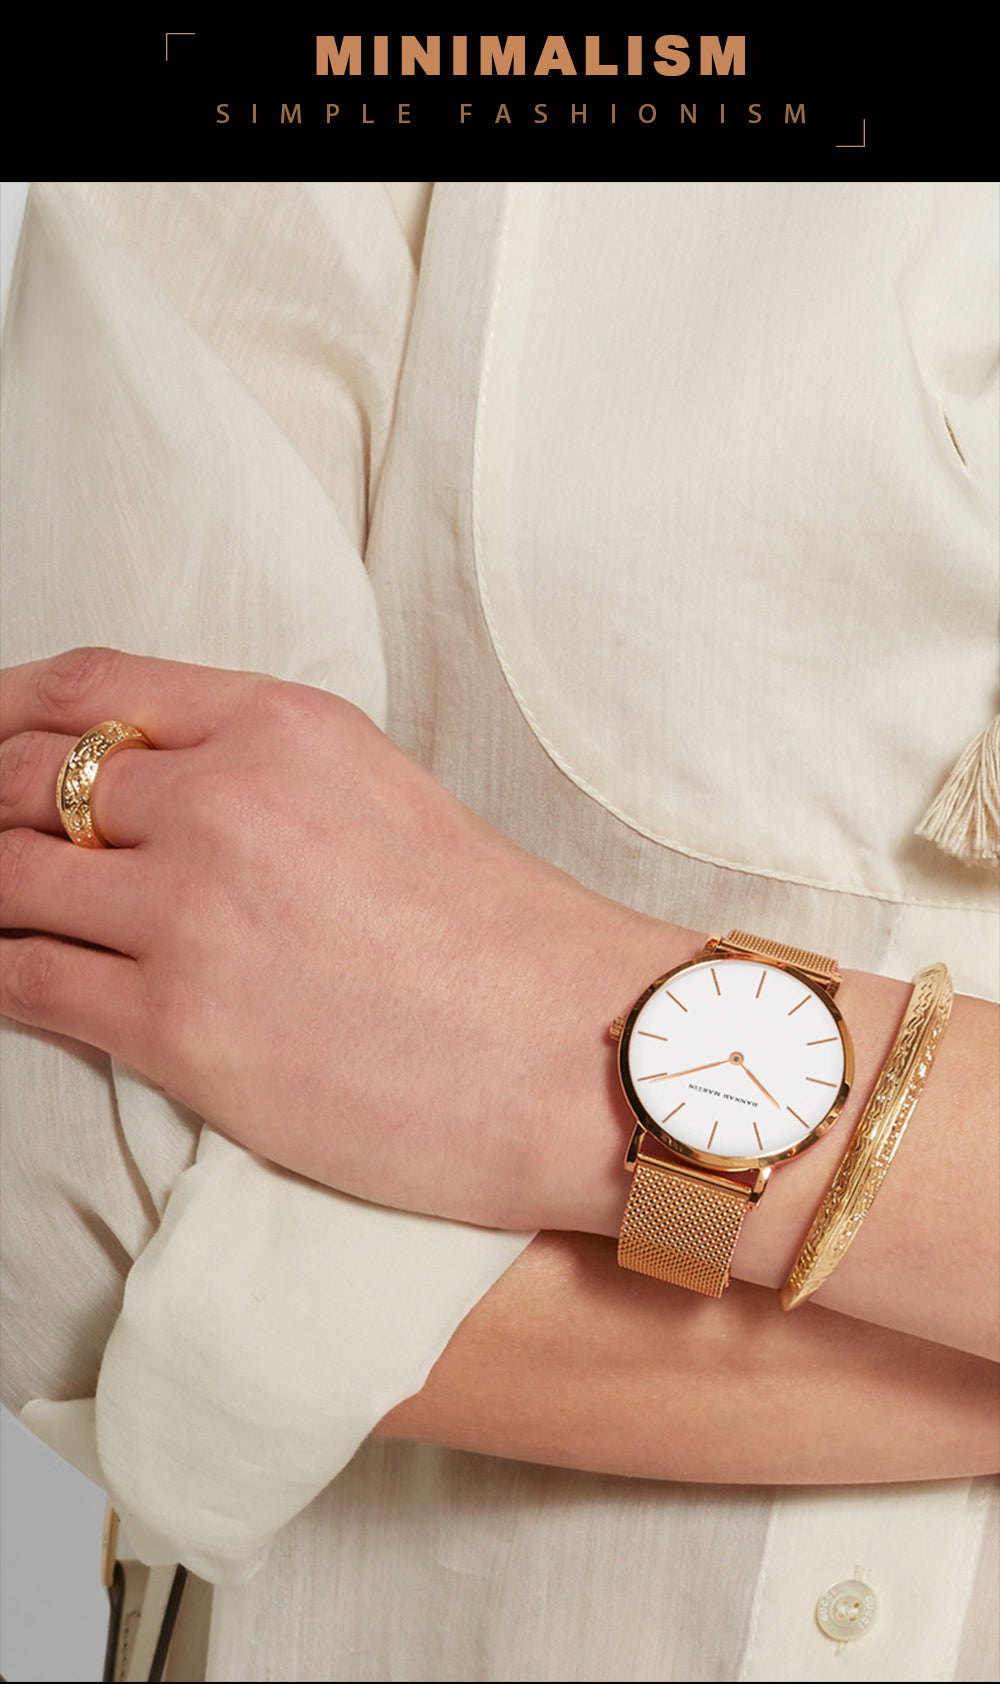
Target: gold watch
x,y
730,1063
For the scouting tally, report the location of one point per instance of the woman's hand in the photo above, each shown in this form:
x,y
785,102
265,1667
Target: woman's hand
x,y
307,940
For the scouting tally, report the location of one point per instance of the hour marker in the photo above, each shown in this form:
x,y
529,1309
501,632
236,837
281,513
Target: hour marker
x,y
798,1119
675,1000
802,1002
763,979
756,1131
715,979
712,1135
653,1037
826,1039
820,1082
674,1112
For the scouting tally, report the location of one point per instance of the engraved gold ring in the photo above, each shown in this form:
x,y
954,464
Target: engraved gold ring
x,y
75,783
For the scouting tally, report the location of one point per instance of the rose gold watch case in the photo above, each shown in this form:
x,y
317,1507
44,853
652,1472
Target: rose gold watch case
x,y
645,1124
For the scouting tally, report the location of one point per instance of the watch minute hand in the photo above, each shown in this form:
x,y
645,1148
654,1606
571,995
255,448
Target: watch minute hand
x,y
670,1075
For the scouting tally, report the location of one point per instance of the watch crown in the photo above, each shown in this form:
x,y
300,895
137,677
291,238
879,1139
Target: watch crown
x,y
617,1028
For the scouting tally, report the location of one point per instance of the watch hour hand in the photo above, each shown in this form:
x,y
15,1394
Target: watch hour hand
x,y
760,1085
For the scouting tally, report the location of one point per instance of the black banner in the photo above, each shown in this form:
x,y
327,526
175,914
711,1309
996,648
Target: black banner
x,y
700,95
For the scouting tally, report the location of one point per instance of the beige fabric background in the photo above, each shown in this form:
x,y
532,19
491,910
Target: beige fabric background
x,y
638,509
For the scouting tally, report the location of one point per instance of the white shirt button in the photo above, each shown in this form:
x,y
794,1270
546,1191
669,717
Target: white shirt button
x,y
846,1610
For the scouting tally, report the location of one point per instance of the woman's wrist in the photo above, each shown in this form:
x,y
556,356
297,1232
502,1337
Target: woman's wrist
x,y
926,1262
587,1125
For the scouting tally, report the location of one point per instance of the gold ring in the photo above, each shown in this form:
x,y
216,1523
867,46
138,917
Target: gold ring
x,y
75,783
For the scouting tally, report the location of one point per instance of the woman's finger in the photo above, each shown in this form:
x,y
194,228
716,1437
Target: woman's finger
x,y
124,797
29,767
81,992
176,704
48,885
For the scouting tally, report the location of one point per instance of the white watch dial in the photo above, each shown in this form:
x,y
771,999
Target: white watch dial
x,y
735,1059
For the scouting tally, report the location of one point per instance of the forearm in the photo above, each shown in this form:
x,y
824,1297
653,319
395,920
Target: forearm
x,y
569,1361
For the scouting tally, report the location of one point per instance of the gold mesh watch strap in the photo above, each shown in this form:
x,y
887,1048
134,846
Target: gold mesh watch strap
x,y
682,1226
815,965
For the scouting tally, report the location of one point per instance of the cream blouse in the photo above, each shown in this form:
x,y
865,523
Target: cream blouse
x,y
659,522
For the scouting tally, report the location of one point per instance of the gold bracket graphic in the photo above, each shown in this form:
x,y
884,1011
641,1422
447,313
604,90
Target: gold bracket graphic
x,y
175,32
852,145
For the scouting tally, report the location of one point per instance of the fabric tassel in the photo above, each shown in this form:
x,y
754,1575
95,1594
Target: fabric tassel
x,y
964,818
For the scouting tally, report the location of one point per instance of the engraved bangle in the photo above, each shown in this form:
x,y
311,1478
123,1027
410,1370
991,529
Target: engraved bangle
x,y
880,1129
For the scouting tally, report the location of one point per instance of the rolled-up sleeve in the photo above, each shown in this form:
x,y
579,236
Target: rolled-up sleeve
x,y
199,392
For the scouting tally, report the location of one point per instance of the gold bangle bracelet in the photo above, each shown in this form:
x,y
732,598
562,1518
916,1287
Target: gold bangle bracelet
x,y
880,1129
